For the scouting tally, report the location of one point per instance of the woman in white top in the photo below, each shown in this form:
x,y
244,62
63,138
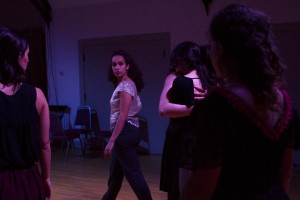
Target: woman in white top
x,y
122,145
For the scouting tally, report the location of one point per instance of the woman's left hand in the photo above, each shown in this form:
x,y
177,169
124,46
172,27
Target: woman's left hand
x,y
48,188
108,148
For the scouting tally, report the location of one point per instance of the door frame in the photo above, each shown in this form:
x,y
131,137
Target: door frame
x,y
159,126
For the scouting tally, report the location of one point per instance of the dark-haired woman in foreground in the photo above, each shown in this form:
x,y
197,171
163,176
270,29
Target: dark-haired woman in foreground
x,y
24,125
245,128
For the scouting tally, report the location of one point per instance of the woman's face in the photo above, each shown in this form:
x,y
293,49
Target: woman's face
x,y
23,59
119,66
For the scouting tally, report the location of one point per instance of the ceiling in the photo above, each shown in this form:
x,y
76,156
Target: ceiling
x,y
60,4
22,14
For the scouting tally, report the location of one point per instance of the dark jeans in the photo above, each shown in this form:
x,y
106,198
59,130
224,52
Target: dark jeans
x,y
125,162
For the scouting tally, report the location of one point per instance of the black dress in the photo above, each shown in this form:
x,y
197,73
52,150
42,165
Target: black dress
x,y
182,92
228,133
20,146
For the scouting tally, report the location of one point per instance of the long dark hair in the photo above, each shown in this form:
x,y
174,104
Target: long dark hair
x,y
133,72
12,45
249,53
191,56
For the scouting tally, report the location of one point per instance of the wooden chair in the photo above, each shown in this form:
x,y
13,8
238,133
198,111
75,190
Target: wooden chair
x,y
87,122
57,133
83,125
99,137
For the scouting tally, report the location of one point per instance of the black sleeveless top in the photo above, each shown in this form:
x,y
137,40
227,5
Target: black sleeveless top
x,y
181,92
19,129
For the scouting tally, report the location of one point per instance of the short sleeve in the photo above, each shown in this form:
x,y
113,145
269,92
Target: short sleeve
x,y
129,87
182,91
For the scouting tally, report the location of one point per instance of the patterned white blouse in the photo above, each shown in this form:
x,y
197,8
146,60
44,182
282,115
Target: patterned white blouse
x,y
135,106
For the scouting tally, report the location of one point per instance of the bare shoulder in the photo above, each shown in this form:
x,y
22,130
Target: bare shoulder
x,y
192,74
170,77
39,94
243,93
41,101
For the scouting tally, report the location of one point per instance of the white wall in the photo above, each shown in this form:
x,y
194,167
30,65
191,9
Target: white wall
x,y
184,19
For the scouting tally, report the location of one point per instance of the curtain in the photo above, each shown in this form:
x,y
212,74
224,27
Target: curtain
x,y
36,73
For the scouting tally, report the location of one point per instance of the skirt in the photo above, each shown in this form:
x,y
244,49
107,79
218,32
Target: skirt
x,y
23,184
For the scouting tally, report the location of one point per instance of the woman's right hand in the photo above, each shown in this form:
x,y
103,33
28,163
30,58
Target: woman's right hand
x,y
199,93
108,148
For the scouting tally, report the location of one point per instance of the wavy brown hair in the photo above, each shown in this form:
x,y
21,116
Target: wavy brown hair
x,y
249,52
133,72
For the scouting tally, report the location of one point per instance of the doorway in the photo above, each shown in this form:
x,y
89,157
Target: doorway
x,y
151,53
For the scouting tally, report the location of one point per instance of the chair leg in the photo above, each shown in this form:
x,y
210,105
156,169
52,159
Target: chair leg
x,y
67,150
84,143
62,146
82,147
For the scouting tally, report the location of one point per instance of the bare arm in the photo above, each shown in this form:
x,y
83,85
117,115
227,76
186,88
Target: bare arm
x,y
167,109
45,160
201,184
125,101
286,169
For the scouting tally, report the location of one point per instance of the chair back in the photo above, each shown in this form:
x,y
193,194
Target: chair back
x,y
83,117
58,133
64,113
56,127
95,125
99,137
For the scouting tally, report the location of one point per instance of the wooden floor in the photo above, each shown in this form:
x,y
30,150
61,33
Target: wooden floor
x,y
86,178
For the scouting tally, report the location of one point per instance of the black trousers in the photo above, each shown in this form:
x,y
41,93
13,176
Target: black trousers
x,y
125,162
